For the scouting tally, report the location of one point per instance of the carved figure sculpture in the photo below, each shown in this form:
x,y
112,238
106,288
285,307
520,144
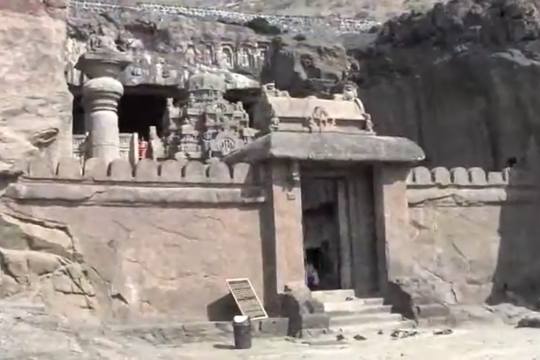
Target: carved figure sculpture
x,y
101,42
319,120
190,55
349,92
156,144
227,57
243,58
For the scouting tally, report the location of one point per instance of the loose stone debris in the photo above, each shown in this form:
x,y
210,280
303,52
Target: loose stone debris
x,y
443,332
530,322
402,334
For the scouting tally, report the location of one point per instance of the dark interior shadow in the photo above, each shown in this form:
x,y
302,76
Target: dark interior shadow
x,y
224,347
223,309
517,275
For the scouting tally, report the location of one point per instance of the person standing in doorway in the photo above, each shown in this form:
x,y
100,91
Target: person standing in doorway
x,y
312,276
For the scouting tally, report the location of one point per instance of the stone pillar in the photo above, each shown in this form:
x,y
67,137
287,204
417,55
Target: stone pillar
x,y
284,243
287,205
101,94
392,223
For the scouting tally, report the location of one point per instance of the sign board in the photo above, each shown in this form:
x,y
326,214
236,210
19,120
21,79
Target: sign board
x,y
247,300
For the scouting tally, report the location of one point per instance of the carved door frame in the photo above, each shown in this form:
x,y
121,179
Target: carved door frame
x,y
358,258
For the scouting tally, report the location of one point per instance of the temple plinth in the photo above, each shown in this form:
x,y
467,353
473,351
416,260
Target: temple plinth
x,y
101,94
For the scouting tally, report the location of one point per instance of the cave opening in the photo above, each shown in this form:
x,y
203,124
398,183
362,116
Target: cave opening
x,y
136,113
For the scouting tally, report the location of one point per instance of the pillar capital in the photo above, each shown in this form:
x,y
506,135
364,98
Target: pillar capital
x,y
103,63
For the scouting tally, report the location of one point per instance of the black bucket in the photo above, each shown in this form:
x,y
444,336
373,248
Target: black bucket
x,y
242,332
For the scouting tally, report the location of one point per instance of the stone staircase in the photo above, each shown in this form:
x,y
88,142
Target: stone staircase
x,y
349,313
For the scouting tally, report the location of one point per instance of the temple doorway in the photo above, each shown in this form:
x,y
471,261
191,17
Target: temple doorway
x,y
339,229
321,230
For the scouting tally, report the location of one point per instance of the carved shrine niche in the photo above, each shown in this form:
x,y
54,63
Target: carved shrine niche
x,y
243,57
227,56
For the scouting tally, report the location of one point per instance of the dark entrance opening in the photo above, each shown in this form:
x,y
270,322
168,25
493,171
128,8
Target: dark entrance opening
x,y
136,113
321,231
78,116
338,221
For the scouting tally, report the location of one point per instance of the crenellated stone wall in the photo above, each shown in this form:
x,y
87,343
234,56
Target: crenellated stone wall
x,y
128,243
473,236
146,170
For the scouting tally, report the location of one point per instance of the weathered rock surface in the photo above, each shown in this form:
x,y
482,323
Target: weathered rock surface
x,y
459,80
166,48
305,67
35,102
379,10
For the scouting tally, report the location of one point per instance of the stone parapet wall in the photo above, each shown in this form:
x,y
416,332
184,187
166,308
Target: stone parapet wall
x,y
130,243
471,177
149,183
469,187
145,171
473,235
290,23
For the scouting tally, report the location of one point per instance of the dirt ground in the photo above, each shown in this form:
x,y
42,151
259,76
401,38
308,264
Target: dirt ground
x,y
473,342
27,336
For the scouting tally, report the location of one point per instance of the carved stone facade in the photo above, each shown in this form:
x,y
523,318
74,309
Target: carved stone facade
x,y
209,126
149,68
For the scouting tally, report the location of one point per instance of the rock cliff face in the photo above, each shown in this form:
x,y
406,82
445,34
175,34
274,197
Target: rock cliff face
x,y
35,100
460,80
35,107
378,9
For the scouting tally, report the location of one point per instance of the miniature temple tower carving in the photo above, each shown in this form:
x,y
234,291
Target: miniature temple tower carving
x,y
210,126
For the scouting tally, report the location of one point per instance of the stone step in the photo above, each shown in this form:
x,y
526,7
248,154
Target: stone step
x,y
355,305
333,295
359,319
372,328
364,309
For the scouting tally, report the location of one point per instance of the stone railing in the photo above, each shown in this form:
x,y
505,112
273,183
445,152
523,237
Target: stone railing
x,y
149,183
303,24
469,187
